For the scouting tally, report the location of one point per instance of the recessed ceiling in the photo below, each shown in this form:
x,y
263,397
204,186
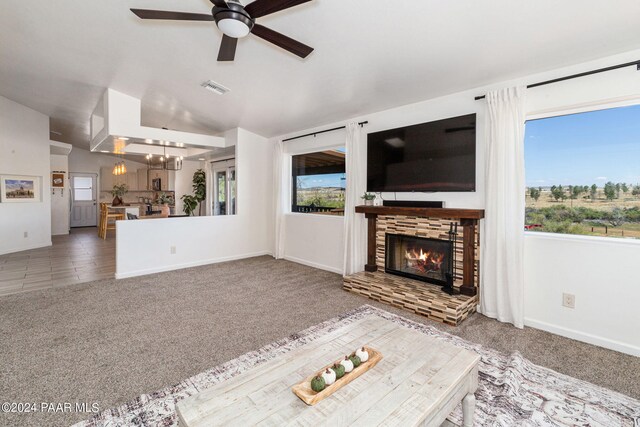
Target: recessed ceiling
x,y
59,56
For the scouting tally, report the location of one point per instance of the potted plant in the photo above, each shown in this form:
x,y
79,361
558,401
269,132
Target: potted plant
x,y
118,193
368,198
191,202
165,200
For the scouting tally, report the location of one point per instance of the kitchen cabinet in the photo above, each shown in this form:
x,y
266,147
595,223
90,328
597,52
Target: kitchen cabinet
x,y
106,179
171,181
143,179
167,179
132,180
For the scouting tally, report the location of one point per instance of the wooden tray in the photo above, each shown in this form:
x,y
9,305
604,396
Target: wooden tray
x,y
310,397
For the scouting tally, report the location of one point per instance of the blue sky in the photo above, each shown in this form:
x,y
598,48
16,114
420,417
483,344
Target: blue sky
x,y
584,149
328,180
13,184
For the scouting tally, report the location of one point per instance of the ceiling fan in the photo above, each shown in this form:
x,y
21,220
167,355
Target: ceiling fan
x,y
237,21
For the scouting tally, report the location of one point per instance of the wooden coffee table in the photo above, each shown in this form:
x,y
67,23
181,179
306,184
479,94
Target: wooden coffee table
x,y
419,381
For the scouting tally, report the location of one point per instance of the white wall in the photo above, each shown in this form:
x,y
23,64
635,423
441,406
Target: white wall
x,y
60,198
24,150
311,239
144,246
315,240
601,272
302,229
543,308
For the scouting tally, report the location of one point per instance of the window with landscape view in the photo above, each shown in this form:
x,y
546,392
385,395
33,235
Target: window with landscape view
x,y
583,173
318,182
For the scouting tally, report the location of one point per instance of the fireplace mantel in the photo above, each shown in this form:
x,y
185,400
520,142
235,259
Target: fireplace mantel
x,y
468,219
476,214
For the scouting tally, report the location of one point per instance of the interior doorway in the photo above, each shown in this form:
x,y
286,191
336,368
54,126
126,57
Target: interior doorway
x,y
84,196
224,187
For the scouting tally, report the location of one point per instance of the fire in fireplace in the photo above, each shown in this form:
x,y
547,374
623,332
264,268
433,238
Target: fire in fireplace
x,y
421,258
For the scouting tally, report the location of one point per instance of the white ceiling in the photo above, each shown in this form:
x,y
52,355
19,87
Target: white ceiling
x,y
57,57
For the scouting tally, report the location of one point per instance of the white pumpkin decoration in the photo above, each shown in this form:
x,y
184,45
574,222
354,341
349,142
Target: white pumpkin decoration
x,y
362,354
329,376
348,364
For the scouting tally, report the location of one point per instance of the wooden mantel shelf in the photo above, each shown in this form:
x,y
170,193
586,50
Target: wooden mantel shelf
x,y
423,212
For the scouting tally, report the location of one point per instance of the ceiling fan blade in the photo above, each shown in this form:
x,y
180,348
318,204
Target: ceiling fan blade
x,y
293,46
177,16
219,3
227,50
265,7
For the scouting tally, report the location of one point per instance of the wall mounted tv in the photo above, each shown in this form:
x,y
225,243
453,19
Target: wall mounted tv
x,y
434,156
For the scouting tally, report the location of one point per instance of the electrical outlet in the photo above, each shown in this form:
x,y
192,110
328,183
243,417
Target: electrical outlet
x,y
26,234
569,300
173,250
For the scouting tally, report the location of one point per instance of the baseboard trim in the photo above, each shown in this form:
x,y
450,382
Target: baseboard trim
x,y
313,264
584,337
165,268
26,248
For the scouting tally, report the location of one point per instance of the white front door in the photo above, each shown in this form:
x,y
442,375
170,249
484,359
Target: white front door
x,y
84,211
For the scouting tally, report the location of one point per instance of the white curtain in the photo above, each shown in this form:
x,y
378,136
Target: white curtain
x,y
355,228
280,203
502,286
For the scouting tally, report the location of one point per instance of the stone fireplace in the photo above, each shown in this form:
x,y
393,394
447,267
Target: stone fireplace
x,y
414,254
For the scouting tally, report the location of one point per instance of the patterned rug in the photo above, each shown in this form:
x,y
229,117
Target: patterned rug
x,y
512,391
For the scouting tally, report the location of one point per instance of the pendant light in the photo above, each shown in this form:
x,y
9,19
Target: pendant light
x,y
119,168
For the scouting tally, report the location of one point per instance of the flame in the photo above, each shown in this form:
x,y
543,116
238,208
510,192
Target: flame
x,y
425,261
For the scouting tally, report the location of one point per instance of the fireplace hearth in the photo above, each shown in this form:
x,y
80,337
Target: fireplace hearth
x,y
421,258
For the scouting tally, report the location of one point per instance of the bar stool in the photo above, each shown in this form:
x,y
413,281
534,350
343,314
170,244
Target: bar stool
x,y
105,217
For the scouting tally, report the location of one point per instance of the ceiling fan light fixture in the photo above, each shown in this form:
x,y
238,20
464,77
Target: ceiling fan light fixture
x,y
234,28
236,21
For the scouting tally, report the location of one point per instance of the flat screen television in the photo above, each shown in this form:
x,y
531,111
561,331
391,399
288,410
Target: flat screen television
x,y
429,157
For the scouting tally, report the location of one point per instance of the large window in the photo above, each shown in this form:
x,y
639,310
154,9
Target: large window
x,y
318,182
82,188
583,173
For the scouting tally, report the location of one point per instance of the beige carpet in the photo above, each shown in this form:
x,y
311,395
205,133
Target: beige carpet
x,y
109,341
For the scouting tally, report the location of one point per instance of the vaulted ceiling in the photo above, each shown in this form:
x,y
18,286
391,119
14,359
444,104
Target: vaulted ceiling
x,y
57,57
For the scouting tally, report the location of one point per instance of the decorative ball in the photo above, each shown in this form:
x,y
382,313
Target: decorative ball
x,y
362,354
329,377
339,370
348,364
317,384
355,360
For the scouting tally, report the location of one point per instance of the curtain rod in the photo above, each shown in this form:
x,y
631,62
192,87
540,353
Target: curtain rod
x,y
574,76
361,124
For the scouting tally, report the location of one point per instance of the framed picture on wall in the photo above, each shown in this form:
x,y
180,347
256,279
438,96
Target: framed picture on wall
x,y
57,180
20,189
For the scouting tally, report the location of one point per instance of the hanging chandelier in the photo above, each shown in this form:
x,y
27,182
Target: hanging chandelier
x,y
165,162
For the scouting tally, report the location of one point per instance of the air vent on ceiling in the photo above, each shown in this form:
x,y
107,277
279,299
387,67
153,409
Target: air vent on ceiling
x,y
215,87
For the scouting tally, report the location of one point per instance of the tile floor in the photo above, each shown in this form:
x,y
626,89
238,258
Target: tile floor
x,y
78,257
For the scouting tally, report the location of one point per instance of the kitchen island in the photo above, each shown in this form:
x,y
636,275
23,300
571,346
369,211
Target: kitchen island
x,y
126,209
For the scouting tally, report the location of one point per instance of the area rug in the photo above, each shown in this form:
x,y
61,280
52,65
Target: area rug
x,y
512,391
